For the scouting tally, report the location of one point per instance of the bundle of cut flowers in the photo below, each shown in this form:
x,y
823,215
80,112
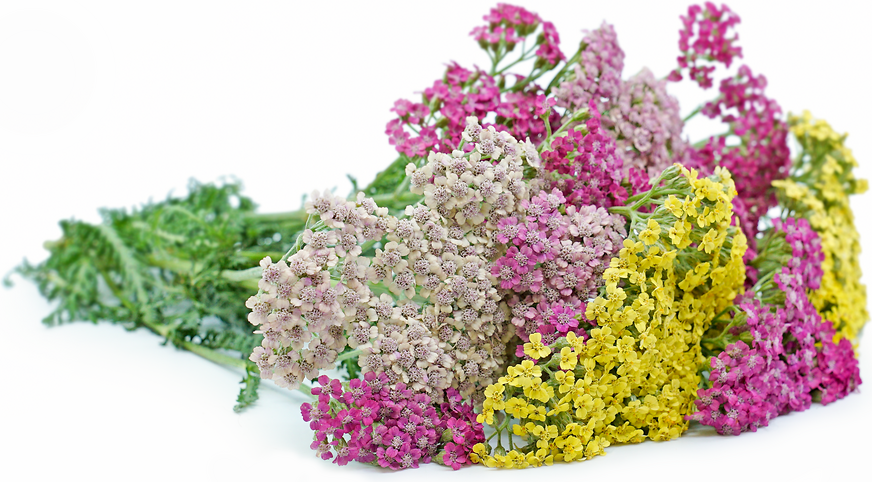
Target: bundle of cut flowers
x,y
549,267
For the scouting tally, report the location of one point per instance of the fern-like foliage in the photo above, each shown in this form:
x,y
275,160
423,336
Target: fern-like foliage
x,y
183,267
167,266
248,393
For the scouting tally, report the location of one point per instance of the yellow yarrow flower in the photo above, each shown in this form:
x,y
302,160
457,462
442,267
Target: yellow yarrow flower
x,y
535,349
822,197
576,342
539,391
650,235
527,369
565,378
636,376
486,416
597,310
674,206
494,397
709,241
571,447
568,358
517,408
690,206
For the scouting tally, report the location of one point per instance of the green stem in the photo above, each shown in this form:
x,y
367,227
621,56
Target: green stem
x,y
720,342
402,187
703,142
491,57
647,195
522,58
497,58
298,242
347,355
693,114
213,355
724,338
716,317
164,331
762,281
626,212
577,116
243,274
530,78
173,238
259,255
549,136
558,77
191,268
298,215
200,350
499,429
659,194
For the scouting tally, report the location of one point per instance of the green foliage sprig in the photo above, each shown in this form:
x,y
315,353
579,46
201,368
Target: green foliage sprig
x,y
180,268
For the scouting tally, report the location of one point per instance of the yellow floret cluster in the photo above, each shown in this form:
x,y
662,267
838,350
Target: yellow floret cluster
x,y
637,374
818,188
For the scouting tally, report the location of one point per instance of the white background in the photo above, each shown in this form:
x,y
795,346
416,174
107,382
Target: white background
x,y
116,103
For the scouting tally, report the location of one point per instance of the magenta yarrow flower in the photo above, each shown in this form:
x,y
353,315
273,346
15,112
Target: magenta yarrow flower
x,y
549,45
586,167
792,357
506,270
705,40
438,122
371,421
557,264
505,18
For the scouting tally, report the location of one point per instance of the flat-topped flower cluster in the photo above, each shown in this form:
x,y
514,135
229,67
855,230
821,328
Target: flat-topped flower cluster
x,y
569,271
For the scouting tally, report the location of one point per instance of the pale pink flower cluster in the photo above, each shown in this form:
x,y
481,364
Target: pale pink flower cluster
x,y
555,264
468,188
444,325
646,123
597,75
638,113
446,246
300,309
424,310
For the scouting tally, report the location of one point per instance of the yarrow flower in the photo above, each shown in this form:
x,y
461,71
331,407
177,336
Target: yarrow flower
x,y
557,265
762,157
609,372
705,39
370,421
792,358
567,268
821,196
585,166
597,74
556,261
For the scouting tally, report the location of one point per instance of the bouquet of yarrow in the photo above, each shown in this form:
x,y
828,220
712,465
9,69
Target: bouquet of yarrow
x,y
548,268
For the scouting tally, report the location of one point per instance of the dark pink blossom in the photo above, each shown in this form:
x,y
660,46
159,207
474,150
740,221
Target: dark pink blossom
x,y
706,38
549,46
391,426
792,357
762,156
